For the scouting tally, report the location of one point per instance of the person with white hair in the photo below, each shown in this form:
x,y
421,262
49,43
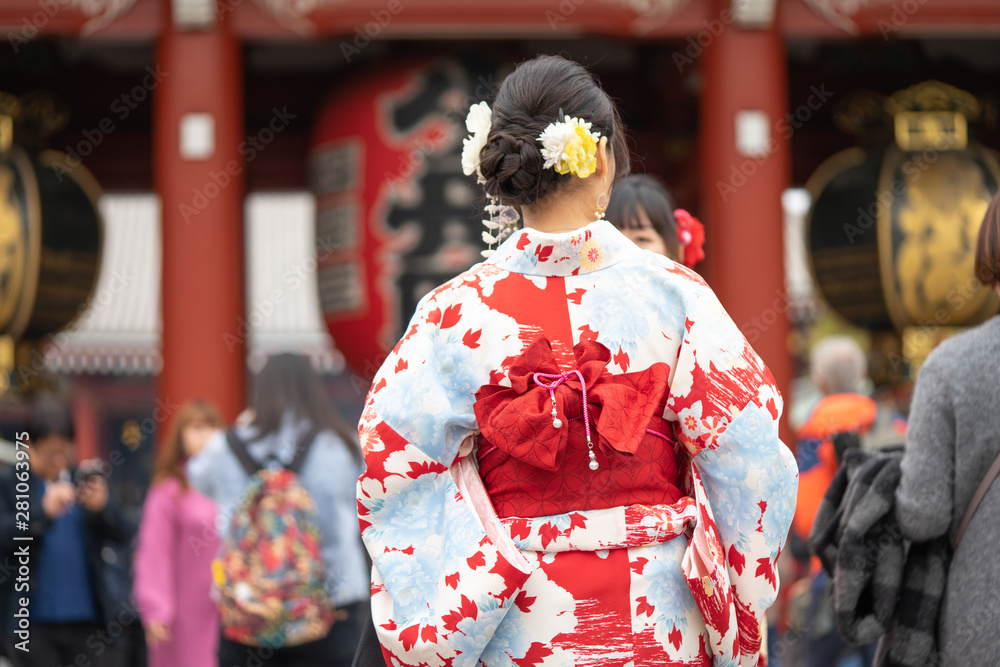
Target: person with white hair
x,y
838,365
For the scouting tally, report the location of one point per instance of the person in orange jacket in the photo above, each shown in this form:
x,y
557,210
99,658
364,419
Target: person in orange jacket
x,y
837,423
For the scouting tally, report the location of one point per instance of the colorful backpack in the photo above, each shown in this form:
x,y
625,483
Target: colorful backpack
x,y
270,572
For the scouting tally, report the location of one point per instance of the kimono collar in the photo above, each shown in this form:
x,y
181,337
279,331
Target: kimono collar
x,y
591,248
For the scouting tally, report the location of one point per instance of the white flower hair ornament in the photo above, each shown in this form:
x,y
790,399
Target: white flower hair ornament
x,y
570,147
478,122
502,220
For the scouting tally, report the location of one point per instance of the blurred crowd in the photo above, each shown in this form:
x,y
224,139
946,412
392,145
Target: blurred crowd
x,y
213,550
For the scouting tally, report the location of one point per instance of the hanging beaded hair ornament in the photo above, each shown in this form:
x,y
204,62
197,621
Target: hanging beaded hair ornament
x,y
568,146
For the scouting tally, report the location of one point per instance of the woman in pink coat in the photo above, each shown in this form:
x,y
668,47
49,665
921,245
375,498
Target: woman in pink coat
x,y
177,542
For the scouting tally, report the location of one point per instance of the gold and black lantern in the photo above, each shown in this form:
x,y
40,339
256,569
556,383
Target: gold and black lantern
x,y
50,225
893,225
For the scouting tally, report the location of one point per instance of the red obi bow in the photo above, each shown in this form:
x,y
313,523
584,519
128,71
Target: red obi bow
x,y
518,419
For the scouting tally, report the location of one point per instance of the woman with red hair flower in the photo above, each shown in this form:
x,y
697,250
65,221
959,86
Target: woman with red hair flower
x,y
641,208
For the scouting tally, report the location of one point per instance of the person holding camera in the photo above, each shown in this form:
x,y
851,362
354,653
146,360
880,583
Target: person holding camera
x,y
71,514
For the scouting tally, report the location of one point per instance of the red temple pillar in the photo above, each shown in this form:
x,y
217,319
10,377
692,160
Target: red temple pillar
x,y
743,175
86,425
198,173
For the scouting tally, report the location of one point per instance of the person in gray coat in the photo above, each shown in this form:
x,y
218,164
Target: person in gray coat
x,y
952,438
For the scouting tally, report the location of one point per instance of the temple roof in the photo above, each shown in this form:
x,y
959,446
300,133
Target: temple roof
x,y
120,331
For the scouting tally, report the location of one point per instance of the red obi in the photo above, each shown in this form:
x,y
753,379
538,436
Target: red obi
x,y
536,464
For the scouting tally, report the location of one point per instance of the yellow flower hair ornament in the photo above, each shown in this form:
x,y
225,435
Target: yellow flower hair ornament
x,y
570,147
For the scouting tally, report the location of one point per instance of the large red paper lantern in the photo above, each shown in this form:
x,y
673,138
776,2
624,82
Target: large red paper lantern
x,y
395,215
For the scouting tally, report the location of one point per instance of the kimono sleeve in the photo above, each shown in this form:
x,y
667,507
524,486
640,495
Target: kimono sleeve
x,y
440,583
727,409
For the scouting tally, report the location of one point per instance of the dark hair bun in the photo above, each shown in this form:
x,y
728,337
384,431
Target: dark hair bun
x,y
511,163
537,93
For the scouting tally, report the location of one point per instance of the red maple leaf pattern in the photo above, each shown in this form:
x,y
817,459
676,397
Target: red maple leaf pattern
x,y
524,601
520,529
543,252
675,637
469,608
451,620
476,560
537,652
766,569
643,607
424,467
622,360
452,315
736,559
549,533
471,338
587,334
409,636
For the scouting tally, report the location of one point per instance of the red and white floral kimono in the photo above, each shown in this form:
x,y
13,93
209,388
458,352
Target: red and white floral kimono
x,y
501,536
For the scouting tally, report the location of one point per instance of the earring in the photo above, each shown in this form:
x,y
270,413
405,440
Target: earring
x,y
602,205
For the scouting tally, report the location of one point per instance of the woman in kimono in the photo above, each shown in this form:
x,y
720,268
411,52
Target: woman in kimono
x,y
572,454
